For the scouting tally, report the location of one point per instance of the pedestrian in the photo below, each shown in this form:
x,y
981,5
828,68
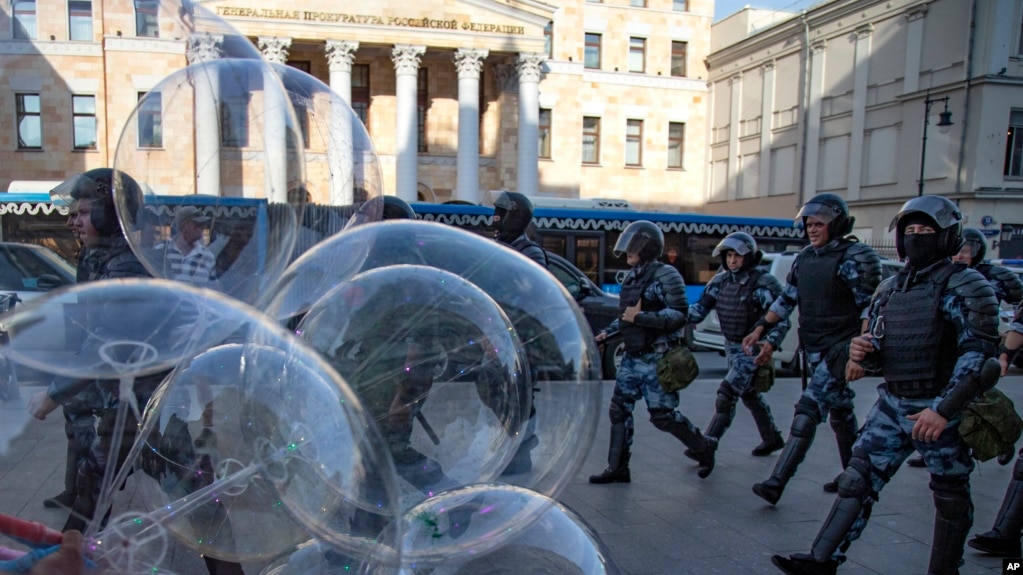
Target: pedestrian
x,y
1003,539
185,256
654,308
1005,282
513,212
741,293
831,282
931,329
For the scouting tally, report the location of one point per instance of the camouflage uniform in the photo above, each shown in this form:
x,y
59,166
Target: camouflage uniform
x,y
737,383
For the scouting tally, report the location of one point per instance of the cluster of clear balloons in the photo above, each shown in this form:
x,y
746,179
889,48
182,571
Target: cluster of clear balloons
x,y
387,397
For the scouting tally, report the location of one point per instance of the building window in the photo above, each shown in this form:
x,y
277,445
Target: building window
x,y
676,144
79,20
234,110
24,19
1014,145
147,24
150,118
83,115
595,1
678,58
30,122
545,134
591,140
1019,50
634,143
548,39
637,55
591,57
637,3
680,5
360,92
423,93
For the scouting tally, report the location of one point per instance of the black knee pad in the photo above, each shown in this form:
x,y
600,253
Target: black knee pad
x,y
952,484
662,419
725,401
808,407
952,497
855,479
841,418
803,425
616,411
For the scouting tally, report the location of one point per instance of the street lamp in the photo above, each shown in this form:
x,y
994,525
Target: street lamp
x,y
944,125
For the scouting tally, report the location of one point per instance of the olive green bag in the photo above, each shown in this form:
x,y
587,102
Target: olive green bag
x,y
677,369
990,426
763,379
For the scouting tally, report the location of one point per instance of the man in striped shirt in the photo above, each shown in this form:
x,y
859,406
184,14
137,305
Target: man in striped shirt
x,y
185,258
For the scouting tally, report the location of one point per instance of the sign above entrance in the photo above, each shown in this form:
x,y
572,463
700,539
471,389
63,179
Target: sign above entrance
x,y
370,20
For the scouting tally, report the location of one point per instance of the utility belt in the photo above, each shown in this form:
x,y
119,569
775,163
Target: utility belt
x,y
661,347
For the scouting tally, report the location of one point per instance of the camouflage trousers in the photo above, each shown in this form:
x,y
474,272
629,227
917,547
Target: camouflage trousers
x,y
637,378
886,440
824,389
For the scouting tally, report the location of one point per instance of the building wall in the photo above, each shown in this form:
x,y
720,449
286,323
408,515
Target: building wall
x,y
847,106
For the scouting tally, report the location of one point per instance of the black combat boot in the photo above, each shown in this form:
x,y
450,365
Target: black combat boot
x,y
1004,538
618,456
804,564
771,437
795,450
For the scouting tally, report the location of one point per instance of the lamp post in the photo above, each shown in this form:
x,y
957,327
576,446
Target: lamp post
x,y
944,125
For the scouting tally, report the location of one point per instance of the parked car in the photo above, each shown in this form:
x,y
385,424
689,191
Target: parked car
x,y
707,333
599,307
29,271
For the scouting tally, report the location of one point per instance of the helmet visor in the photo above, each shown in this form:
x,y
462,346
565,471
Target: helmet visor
x,y
740,247
942,211
972,247
631,242
77,187
821,212
505,202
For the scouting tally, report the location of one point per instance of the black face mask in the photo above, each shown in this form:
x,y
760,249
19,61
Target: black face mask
x,y
921,249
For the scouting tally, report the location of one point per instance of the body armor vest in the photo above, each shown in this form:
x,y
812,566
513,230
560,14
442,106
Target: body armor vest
x,y
525,246
828,313
919,346
638,339
735,306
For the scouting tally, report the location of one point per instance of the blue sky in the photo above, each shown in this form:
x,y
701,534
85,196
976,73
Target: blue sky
x,y
723,8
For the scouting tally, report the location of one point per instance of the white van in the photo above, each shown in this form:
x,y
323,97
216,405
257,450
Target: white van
x,y
707,333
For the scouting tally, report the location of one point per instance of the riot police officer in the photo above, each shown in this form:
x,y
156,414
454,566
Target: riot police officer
x,y
741,293
831,281
931,329
654,307
513,212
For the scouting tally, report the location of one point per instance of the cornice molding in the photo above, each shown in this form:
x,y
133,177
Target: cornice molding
x,y
27,47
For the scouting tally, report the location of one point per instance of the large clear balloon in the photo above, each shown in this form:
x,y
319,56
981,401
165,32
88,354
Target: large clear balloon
x,y
204,33
438,366
220,186
339,156
564,365
265,446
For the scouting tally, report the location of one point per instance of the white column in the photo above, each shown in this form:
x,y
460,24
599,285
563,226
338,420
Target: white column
x,y
406,60
340,57
530,68
203,48
469,63
859,110
914,48
766,128
340,153
275,106
733,138
813,120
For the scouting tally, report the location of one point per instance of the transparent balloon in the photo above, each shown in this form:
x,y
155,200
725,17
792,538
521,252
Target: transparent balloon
x,y
438,366
339,156
205,34
564,364
207,198
264,445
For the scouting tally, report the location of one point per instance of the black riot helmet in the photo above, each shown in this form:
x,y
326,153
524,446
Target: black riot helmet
x,y
513,212
742,244
642,237
97,186
973,238
940,210
830,209
380,208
